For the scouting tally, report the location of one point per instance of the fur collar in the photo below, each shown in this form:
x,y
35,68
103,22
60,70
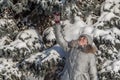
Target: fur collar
x,y
87,49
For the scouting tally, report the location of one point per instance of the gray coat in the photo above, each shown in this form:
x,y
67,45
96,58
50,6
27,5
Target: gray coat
x,y
79,65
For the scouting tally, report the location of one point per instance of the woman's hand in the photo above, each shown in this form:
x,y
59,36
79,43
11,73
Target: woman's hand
x,y
57,17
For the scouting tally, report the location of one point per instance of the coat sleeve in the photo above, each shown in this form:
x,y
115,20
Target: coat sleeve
x,y
93,69
59,37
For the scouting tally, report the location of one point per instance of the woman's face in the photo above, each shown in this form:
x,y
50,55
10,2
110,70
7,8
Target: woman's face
x,y
83,41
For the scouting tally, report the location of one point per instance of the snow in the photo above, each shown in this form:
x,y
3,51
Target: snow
x,y
108,6
26,33
44,4
33,57
2,22
116,66
52,55
89,20
109,37
20,45
26,41
112,1
9,66
111,66
106,63
17,44
79,27
49,33
48,37
68,10
1,1
31,38
74,29
112,6
105,16
3,40
88,30
116,9
116,31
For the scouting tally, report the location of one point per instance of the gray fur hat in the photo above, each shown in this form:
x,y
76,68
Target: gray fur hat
x,y
90,40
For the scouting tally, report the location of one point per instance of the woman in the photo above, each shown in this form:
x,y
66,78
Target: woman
x,y
80,62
